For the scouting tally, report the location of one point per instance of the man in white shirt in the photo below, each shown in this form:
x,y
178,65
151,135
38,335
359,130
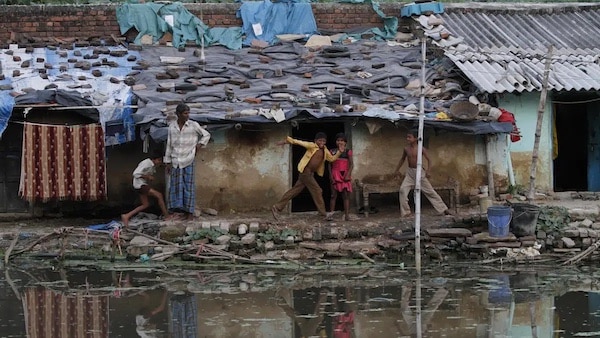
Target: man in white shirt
x,y
142,176
185,136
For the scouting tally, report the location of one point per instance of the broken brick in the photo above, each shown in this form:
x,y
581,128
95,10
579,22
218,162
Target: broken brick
x,y
279,86
337,71
255,100
264,59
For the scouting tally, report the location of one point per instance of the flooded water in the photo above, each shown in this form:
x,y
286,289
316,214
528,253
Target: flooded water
x,y
39,300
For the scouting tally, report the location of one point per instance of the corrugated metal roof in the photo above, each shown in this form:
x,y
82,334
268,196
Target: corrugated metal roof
x,y
527,27
507,71
504,49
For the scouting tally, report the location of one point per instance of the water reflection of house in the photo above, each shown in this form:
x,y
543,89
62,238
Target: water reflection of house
x,y
49,313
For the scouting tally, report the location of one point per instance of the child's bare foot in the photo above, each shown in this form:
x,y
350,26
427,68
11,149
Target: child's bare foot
x,y
275,213
349,218
447,213
329,216
125,220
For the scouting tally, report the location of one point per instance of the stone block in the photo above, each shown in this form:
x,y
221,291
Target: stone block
x,y
571,233
583,232
307,235
205,225
215,225
269,245
141,240
586,242
583,213
593,233
249,239
541,234
225,226
586,223
596,225
568,243
223,240
254,226
242,229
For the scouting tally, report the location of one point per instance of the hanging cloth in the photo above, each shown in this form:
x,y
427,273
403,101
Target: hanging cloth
x,y
63,163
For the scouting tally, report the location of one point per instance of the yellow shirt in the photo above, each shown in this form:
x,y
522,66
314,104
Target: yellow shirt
x,y
311,149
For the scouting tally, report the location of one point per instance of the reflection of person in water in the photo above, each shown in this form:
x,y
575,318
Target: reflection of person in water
x,y
309,324
343,323
145,321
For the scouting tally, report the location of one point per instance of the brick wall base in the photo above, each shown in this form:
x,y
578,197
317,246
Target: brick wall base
x,y
43,22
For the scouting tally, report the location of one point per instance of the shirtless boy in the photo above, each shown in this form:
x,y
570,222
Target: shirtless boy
x,y
410,154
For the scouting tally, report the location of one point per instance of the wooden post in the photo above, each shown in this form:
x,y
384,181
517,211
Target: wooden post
x,y
490,167
538,127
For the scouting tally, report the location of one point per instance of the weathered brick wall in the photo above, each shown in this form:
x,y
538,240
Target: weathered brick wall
x,y
84,21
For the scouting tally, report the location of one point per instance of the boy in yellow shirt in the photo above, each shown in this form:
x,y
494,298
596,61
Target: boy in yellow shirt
x,y
312,161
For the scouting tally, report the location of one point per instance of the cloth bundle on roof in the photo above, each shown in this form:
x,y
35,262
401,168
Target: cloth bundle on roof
x,y
63,163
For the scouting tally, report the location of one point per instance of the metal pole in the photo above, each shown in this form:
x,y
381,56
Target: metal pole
x,y
420,160
418,305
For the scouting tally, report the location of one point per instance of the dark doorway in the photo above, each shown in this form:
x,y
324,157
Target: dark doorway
x,y
10,170
577,127
306,132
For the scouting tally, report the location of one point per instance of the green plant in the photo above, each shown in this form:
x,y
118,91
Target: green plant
x,y
211,234
553,218
516,189
276,235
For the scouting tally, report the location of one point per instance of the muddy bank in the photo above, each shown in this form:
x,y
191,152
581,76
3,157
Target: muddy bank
x,y
303,239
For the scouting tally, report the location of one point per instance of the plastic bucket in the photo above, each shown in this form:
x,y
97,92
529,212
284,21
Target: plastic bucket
x,y
525,217
499,220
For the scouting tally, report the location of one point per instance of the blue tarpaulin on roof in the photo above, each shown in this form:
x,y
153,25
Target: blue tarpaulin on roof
x,y
264,20
6,106
73,87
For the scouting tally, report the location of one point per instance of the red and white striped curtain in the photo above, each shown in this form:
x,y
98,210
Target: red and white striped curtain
x,y
63,163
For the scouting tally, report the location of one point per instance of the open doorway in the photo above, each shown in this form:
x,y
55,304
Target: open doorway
x,y
577,126
10,170
570,166
307,132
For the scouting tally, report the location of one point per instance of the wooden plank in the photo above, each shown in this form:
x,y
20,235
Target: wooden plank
x,y
449,232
